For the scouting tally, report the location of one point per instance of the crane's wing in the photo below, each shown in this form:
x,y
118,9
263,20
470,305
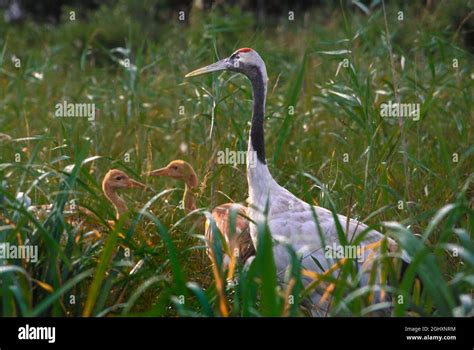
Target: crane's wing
x,y
312,232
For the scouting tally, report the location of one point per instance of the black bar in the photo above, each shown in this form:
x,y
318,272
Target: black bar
x,y
250,332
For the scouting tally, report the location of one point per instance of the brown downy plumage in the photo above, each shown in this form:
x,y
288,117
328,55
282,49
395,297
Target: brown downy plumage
x,y
240,244
113,181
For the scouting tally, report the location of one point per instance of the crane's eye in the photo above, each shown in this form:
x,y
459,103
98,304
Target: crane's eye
x,y
118,178
174,167
237,57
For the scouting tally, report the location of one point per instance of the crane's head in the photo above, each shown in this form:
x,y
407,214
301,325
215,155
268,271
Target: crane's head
x,y
180,170
116,179
245,61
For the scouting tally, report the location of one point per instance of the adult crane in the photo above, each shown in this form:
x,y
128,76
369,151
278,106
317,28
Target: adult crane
x,y
308,229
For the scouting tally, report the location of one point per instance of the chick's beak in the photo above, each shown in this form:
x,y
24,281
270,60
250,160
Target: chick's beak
x,y
135,184
159,172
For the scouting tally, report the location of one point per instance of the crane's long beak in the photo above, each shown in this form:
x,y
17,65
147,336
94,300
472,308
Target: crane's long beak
x,y
135,184
158,172
219,65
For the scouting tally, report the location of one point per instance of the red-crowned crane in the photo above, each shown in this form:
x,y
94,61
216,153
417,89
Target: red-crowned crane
x,y
77,215
290,220
239,242
113,181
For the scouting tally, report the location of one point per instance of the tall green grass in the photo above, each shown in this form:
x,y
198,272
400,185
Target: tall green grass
x,y
152,262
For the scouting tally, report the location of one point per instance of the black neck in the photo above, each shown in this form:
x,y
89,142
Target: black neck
x,y
257,137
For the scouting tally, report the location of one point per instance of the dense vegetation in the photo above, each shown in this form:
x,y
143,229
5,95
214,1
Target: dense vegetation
x,y
330,65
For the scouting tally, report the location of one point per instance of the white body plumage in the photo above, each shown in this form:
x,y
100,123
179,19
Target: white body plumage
x,y
291,221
